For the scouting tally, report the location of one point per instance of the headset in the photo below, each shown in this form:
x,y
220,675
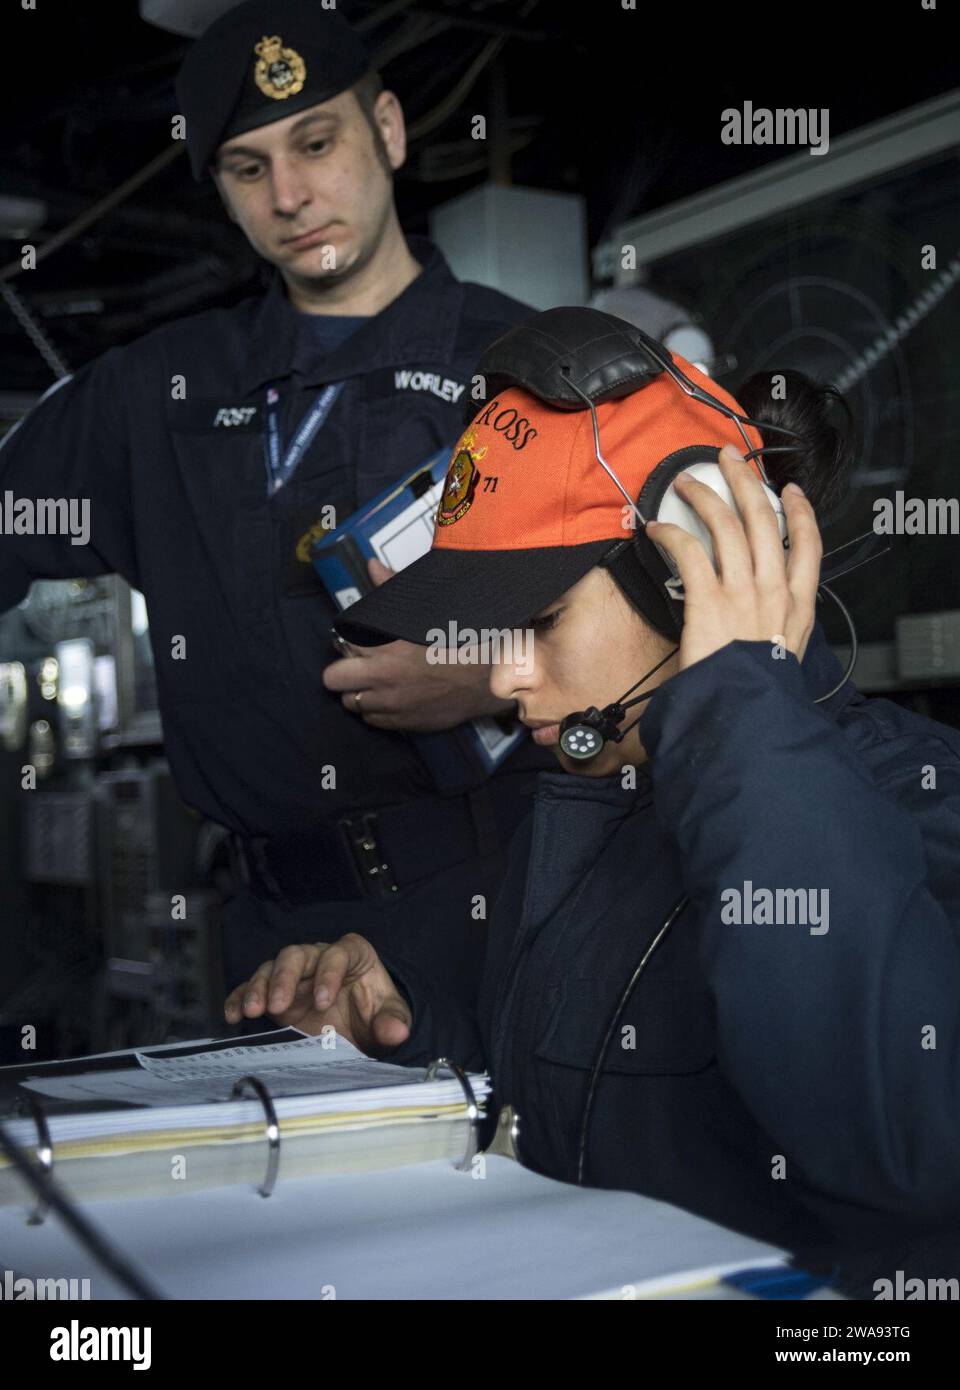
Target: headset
x,y
576,358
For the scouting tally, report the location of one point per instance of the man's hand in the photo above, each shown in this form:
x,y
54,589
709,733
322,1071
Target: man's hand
x,y
762,593
400,689
345,984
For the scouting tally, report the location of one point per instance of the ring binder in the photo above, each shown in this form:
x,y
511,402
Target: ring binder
x,y
44,1153
473,1109
272,1129
506,1139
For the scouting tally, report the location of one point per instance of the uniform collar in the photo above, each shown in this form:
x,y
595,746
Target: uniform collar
x,y
604,791
419,326
821,671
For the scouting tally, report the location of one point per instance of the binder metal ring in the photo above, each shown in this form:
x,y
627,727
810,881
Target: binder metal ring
x,y
272,1130
473,1109
44,1154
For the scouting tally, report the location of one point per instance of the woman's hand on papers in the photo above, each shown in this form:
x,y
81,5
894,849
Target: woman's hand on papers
x,y
344,985
402,688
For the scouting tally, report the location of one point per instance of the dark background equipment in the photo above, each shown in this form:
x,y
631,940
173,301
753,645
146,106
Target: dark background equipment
x,y
109,887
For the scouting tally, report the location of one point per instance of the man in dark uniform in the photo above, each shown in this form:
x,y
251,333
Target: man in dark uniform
x,y
209,451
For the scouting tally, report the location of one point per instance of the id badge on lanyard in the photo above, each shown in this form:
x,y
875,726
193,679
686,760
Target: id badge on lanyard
x,y
281,466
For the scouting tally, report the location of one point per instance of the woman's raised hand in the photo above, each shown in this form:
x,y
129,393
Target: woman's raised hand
x,y
761,593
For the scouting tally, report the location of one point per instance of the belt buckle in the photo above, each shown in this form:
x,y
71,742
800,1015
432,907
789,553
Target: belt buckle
x,y
375,873
238,860
257,850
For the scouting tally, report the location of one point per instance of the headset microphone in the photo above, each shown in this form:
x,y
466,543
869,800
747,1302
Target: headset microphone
x,y
584,733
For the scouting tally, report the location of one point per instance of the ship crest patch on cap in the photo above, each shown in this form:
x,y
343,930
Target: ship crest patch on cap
x,y
463,475
279,72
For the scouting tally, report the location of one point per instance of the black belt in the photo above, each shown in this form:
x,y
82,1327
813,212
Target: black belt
x,y
378,853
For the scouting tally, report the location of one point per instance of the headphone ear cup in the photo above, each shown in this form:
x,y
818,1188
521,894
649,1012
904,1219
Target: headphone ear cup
x,y
641,569
674,509
656,564
642,573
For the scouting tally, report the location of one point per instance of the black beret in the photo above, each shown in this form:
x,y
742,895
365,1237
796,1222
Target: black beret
x,y
260,62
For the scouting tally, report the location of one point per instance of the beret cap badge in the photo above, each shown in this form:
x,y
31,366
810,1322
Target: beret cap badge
x,y
279,72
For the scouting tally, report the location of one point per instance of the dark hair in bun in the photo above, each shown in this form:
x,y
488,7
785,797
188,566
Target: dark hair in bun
x,y
820,463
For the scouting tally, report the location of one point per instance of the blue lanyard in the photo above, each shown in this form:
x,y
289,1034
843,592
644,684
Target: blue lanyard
x,y
280,470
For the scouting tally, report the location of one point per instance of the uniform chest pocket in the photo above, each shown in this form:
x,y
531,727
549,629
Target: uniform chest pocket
x,y
311,509
231,554
398,434
667,1027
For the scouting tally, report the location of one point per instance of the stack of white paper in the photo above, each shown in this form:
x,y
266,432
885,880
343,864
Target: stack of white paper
x,y
337,1110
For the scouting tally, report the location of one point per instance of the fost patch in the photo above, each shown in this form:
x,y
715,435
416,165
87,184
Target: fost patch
x,y
279,72
463,475
197,416
231,417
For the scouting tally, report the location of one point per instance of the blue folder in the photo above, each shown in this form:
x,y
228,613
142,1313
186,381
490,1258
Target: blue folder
x,y
396,527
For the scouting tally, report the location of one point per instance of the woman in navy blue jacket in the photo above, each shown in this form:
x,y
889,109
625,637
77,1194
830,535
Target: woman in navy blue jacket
x,y
724,967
